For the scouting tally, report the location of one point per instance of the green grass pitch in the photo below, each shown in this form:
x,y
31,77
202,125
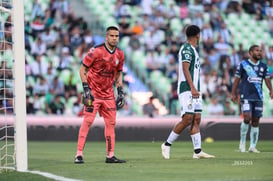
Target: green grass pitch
x,y
144,162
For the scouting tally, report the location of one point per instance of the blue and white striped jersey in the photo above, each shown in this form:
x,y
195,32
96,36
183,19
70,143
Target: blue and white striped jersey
x,y
252,76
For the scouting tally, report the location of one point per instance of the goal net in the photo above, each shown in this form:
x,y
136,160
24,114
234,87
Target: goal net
x,y
13,142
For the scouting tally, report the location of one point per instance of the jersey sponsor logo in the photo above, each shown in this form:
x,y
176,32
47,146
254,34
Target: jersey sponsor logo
x,y
186,52
254,79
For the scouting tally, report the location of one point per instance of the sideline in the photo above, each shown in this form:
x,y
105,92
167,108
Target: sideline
x,y
50,175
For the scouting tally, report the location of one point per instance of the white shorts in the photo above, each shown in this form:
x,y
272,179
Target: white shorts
x,y
188,105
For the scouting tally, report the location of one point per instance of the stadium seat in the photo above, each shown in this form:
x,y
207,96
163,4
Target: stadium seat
x,y
65,76
244,17
124,42
136,57
176,25
156,77
76,78
31,81
136,108
138,64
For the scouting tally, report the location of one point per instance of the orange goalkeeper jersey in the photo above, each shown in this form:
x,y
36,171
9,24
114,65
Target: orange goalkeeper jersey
x,y
103,66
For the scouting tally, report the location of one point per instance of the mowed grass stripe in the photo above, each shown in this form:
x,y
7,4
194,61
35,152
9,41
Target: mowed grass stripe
x,y
144,162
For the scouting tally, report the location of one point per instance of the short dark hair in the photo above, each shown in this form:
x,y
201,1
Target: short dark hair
x,y
252,47
192,30
112,28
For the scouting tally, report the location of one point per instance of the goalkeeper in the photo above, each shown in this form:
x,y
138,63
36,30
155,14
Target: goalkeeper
x,y
101,68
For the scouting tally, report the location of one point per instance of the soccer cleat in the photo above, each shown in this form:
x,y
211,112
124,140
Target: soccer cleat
x,y
242,147
253,150
165,151
202,155
114,159
79,159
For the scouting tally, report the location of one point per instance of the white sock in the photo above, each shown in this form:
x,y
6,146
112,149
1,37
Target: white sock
x,y
254,134
172,137
196,140
243,132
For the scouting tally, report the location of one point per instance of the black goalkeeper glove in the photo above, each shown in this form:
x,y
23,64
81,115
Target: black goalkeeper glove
x,y
87,97
120,99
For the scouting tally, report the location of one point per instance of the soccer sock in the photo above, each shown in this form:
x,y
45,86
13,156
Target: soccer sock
x,y
172,137
243,132
109,133
196,141
254,134
79,153
83,133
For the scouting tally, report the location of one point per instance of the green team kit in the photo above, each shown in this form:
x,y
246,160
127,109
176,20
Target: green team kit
x,y
188,53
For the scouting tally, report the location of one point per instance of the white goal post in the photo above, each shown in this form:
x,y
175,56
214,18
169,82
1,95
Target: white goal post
x,y
19,86
18,154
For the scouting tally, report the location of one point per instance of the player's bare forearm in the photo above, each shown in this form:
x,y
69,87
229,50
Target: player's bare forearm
x,y
234,88
194,92
83,73
119,79
269,86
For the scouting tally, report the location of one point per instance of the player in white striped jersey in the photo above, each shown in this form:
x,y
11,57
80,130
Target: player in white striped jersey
x,y
189,95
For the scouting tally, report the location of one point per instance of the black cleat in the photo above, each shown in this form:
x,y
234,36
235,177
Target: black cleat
x,y
114,160
78,160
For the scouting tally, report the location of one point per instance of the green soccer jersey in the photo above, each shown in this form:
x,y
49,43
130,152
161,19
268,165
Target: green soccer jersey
x,y
188,53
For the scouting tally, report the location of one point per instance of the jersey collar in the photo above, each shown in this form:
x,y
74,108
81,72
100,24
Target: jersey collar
x,y
110,51
253,62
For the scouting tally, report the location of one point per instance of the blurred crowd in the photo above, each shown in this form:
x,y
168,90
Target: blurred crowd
x,y
56,40
153,33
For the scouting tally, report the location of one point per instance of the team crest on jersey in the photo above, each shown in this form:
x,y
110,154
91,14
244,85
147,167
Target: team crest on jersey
x,y
117,61
261,69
